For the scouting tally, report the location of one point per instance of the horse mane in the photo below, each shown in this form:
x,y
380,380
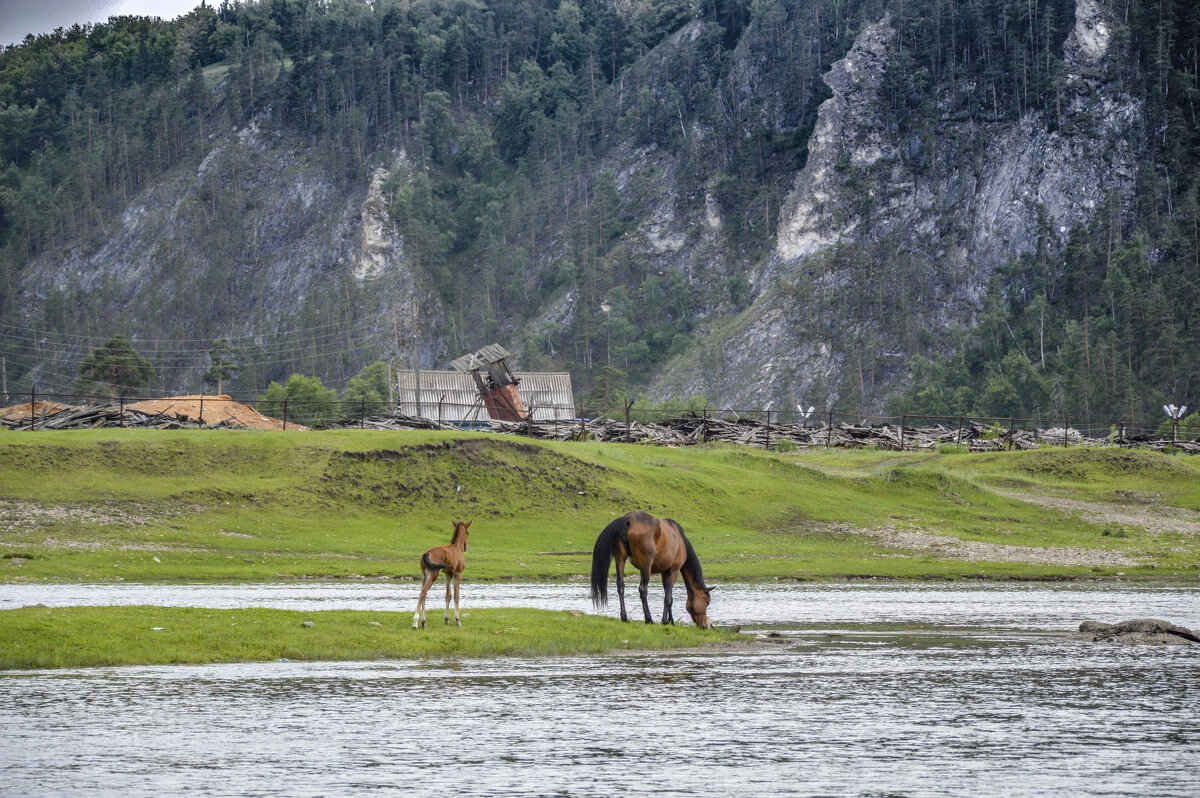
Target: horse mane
x,y
457,530
691,565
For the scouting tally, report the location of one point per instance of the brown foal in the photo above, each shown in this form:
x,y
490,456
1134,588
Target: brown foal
x,y
449,558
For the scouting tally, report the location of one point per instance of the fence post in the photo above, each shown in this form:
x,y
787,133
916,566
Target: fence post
x,y
362,412
285,401
829,429
628,404
903,419
1066,425
32,404
958,438
121,410
201,419
1012,426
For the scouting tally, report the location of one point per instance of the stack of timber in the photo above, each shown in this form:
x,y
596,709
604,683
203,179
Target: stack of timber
x,y
397,421
106,415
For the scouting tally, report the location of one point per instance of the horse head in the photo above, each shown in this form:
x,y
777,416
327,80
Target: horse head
x,y
460,528
697,606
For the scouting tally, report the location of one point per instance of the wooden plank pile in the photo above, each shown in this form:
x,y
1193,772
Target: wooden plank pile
x,y
681,431
108,415
397,421
741,431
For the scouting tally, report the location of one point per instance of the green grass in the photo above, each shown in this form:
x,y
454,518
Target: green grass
x,y
70,637
194,506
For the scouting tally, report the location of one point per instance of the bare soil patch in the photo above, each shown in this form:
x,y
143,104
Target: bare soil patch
x,y
21,516
210,410
973,550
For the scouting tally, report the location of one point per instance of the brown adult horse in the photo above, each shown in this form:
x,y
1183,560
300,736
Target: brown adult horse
x,y
449,558
654,546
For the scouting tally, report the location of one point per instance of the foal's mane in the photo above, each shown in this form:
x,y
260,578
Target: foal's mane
x,y
691,565
457,529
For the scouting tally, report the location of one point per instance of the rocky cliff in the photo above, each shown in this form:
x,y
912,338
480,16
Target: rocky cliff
x,y
865,240
936,214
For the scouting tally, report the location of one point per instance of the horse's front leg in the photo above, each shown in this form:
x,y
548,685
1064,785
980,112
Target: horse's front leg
x,y
644,592
457,583
449,585
668,579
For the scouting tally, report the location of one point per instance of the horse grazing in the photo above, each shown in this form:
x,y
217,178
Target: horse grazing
x,y
448,558
654,546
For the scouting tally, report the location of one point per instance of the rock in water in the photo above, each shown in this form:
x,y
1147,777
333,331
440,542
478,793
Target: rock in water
x,y
1139,631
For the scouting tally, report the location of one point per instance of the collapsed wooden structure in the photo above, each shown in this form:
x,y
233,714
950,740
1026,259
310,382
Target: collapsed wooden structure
x,y
692,429
684,430
481,388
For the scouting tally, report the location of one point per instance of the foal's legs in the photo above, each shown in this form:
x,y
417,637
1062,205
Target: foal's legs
x,y
446,614
668,578
644,592
428,578
457,582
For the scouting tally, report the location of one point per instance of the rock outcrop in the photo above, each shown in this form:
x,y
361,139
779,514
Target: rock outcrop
x,y
1138,632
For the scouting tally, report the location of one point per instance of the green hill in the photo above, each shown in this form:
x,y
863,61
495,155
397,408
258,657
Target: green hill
x,y
198,506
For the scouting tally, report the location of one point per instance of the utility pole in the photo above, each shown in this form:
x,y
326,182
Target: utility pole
x,y
415,357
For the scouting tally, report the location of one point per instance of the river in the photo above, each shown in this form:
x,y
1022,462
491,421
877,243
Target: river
x,y
867,690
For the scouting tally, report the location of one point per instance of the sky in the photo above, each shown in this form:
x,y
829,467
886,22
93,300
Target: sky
x,y
19,17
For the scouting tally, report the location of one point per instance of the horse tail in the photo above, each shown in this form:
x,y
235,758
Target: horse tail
x,y
691,562
602,556
427,564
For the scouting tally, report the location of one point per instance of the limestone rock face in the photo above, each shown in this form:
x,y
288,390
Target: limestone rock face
x,y
245,241
952,222
849,131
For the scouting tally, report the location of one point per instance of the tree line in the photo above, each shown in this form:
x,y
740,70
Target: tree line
x,y
509,109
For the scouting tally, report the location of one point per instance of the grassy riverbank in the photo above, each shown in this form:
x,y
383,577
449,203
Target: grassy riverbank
x,y
144,505
70,637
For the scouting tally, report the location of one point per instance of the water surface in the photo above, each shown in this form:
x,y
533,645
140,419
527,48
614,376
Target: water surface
x,y
871,690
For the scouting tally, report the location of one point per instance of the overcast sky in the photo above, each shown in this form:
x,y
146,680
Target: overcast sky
x,y
19,17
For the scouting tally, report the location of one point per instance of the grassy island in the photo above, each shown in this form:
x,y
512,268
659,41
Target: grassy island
x,y
68,637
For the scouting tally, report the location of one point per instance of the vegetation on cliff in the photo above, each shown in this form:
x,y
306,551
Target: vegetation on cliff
x,y
514,113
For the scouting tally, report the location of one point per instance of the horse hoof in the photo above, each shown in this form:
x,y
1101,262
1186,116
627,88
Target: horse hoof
x,y
458,623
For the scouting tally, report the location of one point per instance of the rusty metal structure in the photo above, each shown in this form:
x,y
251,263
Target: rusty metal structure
x,y
495,382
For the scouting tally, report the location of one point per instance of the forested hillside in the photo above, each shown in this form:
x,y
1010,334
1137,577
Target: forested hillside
x,y
970,207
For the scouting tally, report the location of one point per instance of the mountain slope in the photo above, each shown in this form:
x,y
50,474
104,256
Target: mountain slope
x,y
966,207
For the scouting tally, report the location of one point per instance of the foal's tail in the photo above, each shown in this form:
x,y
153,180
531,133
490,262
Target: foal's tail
x,y
602,555
427,564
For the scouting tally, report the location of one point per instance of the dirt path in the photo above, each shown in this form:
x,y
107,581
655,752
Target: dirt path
x,y
1148,516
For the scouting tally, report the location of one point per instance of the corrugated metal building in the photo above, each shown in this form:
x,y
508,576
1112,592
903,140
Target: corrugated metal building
x,y
453,396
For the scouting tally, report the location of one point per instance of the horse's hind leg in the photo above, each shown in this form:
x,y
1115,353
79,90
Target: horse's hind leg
x,y
621,583
427,580
644,593
446,614
668,579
